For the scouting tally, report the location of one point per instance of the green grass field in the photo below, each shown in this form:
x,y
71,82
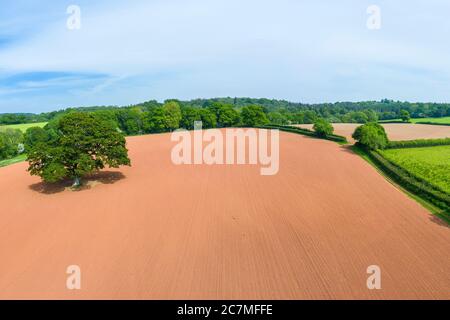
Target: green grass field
x,y
7,162
443,120
429,163
23,127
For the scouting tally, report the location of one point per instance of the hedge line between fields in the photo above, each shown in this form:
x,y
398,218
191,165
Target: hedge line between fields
x,y
393,121
433,123
411,183
418,143
306,132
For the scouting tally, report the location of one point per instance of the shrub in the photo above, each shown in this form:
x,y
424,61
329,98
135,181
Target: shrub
x,y
323,128
405,116
371,135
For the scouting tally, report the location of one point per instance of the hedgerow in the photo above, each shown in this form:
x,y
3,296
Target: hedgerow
x,y
306,132
418,143
433,123
412,183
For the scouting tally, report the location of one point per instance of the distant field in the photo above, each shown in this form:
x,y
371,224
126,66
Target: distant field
x,y
430,163
23,127
444,120
395,131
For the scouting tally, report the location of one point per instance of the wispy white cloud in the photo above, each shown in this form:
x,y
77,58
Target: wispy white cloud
x,y
300,50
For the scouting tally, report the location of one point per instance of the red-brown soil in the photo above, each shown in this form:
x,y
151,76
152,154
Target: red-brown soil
x,y
395,131
160,231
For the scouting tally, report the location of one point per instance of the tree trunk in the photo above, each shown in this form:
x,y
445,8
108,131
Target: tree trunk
x,y
76,182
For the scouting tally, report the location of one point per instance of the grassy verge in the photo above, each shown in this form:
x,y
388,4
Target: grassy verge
x,y
434,200
7,162
307,132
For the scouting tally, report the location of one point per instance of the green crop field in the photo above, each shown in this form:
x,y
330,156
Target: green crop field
x,y
429,163
444,120
23,127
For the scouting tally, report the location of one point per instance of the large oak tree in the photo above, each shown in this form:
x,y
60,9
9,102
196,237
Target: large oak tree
x,y
83,143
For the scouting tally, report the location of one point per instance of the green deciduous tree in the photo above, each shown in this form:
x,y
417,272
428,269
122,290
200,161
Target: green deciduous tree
x,y
172,114
84,143
35,135
253,116
10,141
371,135
405,116
309,116
208,119
226,114
188,117
130,120
154,121
322,127
277,118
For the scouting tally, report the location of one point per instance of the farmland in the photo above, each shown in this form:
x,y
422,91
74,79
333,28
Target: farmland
x,y
443,120
160,231
395,131
429,163
23,127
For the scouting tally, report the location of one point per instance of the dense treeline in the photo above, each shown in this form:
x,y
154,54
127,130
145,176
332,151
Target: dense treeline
x,y
357,112
150,117
18,118
157,118
277,111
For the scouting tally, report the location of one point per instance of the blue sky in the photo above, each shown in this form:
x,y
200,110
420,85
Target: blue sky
x,y
300,50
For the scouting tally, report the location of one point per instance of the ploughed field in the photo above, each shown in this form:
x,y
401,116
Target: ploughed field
x,y
429,163
395,131
158,231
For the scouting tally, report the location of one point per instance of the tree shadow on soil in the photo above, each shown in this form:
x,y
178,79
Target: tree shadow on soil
x,y
442,221
347,148
88,182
